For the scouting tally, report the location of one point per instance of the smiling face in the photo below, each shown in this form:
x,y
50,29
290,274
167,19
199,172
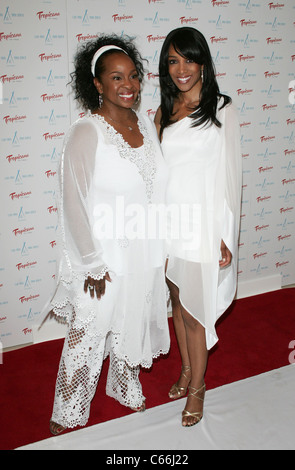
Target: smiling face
x,y
119,82
185,73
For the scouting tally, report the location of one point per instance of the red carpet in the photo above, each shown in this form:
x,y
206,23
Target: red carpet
x,y
254,337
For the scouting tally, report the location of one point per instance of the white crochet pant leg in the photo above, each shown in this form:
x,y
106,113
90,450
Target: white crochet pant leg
x,y
79,371
78,375
123,382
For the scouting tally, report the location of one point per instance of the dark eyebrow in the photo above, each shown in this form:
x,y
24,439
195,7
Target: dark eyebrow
x,y
121,73
114,71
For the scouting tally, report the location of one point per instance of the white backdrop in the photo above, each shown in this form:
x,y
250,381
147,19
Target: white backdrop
x,y
253,47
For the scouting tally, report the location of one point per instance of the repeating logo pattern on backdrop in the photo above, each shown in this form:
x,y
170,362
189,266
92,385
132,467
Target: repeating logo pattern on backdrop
x,y
253,48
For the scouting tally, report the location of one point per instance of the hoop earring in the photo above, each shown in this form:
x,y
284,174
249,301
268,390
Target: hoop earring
x,y
100,101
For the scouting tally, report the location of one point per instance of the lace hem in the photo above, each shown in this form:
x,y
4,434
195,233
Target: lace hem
x,y
66,311
144,363
85,325
79,373
82,276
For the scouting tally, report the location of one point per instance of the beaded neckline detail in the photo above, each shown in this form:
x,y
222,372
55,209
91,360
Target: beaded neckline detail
x,y
145,162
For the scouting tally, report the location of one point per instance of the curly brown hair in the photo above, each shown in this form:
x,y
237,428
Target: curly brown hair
x,y
82,79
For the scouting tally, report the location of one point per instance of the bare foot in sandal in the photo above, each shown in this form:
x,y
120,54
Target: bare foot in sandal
x,y
179,389
56,428
140,409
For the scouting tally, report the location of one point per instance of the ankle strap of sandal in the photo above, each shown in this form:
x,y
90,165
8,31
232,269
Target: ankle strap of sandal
x,y
196,391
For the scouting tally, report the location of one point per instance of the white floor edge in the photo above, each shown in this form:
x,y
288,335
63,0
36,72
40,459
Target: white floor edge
x,y
257,413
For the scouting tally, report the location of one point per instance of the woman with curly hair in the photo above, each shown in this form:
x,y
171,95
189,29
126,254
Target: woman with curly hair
x,y
111,285
199,133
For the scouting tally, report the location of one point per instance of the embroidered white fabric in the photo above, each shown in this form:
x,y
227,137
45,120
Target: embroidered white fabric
x,y
78,375
129,323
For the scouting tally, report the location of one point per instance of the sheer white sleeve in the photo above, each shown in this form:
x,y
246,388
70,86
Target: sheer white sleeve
x,y
233,178
83,252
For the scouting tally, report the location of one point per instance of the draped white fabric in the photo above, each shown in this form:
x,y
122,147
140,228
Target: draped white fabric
x,y
205,176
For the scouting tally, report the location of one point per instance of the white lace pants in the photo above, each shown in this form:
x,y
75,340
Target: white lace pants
x,y
78,375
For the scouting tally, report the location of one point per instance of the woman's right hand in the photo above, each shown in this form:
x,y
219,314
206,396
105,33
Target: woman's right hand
x,y
96,287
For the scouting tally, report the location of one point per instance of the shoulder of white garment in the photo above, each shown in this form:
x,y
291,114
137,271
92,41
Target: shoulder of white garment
x,y
81,140
83,129
149,122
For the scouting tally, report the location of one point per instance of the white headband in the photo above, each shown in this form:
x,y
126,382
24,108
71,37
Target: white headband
x,y
101,51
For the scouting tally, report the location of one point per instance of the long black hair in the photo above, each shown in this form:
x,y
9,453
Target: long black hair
x,y
82,79
191,44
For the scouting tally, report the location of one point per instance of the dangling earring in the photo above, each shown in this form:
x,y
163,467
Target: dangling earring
x,y
138,98
202,74
100,101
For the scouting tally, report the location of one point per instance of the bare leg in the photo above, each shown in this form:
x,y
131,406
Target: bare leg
x,y
198,356
181,337
191,341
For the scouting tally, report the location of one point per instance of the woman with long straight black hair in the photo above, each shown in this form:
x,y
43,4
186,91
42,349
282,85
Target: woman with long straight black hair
x,y
199,133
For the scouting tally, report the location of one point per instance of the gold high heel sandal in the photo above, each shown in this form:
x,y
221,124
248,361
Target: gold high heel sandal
x,y
198,415
176,391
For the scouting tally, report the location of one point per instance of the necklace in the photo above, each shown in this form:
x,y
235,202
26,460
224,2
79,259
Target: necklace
x,y
130,128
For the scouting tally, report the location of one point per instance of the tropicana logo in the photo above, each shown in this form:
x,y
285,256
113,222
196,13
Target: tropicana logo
x,y
6,37
45,97
12,78
273,6
27,299
21,231
48,136
26,265
12,119
14,158
244,22
152,38
19,195
50,173
45,16
44,57
218,40
219,3
119,18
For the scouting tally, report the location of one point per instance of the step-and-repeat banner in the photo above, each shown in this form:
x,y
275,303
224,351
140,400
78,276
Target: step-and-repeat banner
x,y
253,47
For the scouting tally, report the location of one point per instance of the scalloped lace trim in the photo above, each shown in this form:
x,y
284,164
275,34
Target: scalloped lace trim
x,y
146,165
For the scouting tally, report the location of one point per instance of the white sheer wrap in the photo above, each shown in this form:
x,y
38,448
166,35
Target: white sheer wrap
x,y
205,175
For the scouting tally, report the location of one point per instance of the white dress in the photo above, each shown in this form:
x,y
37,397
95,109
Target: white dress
x,y
205,185
103,179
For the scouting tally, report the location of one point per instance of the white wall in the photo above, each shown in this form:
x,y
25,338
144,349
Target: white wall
x,y
253,47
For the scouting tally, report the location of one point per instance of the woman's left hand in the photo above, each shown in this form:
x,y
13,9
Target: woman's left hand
x,y
96,287
226,255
